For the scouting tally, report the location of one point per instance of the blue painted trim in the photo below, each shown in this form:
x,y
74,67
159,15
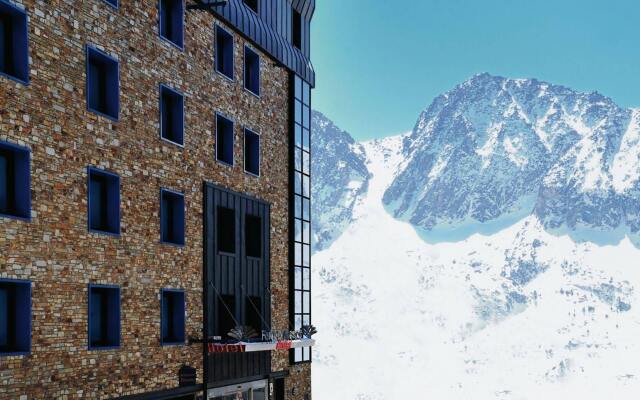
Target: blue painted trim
x,y
119,324
184,219
22,282
163,322
244,150
109,2
21,149
24,12
244,72
100,53
103,172
217,67
161,108
233,138
165,39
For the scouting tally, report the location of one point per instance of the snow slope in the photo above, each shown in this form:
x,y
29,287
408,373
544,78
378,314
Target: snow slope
x,y
520,313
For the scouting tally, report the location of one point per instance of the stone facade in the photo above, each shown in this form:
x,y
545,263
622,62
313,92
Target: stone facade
x,y
57,253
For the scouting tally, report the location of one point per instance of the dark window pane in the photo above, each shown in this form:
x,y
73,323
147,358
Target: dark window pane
x,y
252,152
224,52
226,232
226,315
171,21
253,236
251,71
224,140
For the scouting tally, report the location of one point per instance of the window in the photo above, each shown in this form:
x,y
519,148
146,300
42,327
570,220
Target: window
x,y
103,89
224,139
252,4
226,233
104,316
15,317
253,313
253,236
251,152
296,28
172,319
226,315
172,21
104,201
171,217
114,3
15,181
171,115
14,42
251,71
224,52
301,219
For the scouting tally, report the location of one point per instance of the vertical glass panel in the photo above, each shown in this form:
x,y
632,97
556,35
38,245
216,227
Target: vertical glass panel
x,y
298,254
305,163
306,353
298,113
298,87
306,209
298,322
298,354
298,159
305,139
306,319
298,302
306,93
298,182
306,278
298,206
305,258
297,277
298,130
306,190
298,230
305,117
306,301
306,233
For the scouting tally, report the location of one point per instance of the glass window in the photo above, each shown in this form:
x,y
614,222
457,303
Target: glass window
x,y
103,85
224,52
15,317
172,218
172,317
251,71
15,181
171,115
224,139
14,42
104,316
104,201
172,21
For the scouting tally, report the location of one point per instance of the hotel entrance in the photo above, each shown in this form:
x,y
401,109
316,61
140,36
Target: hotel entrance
x,y
247,391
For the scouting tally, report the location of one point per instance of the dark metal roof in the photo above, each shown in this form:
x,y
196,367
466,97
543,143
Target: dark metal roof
x,y
270,30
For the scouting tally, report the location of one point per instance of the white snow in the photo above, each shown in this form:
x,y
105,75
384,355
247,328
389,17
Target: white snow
x,y
401,319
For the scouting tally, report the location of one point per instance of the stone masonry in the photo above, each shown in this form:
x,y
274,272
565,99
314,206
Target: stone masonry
x,y
57,253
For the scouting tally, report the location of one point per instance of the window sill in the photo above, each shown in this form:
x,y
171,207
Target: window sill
x,y
106,233
16,217
180,145
15,78
172,43
110,117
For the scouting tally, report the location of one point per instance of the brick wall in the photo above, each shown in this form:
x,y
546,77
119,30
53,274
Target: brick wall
x,y
55,250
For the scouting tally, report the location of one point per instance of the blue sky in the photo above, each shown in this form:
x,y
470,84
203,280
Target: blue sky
x,y
379,63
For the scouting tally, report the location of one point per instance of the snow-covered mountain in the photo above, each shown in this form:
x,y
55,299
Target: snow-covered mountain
x,y
340,178
492,150
492,254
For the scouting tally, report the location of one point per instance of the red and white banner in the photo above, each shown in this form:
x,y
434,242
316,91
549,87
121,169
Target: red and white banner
x,y
249,347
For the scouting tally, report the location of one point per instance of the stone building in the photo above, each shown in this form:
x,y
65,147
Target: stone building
x,y
154,199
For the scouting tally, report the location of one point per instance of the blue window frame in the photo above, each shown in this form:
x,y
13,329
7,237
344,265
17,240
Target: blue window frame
x,y
172,321
224,52
113,3
171,217
15,181
224,140
15,317
103,201
14,42
251,71
172,21
103,84
104,316
251,152
171,115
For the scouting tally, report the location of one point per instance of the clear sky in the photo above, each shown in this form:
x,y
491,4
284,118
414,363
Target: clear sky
x,y
380,63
